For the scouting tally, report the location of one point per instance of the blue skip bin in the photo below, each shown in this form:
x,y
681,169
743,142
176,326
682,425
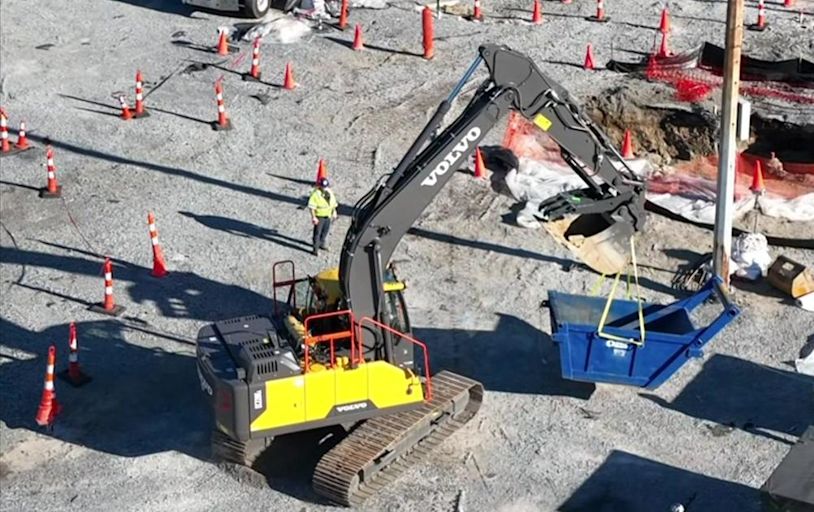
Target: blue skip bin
x,y
616,352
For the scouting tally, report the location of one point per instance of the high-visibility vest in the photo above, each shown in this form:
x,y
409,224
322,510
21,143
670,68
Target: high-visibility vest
x,y
322,207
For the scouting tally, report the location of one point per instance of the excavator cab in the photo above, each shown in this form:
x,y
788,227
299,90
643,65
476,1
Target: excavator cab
x,y
313,296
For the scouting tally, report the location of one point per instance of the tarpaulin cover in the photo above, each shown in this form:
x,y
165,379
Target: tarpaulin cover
x,y
686,189
792,483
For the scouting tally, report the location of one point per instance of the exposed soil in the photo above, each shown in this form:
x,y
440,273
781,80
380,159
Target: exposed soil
x,y
669,133
685,134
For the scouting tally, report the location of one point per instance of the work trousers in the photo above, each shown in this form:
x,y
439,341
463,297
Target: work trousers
x,y
321,232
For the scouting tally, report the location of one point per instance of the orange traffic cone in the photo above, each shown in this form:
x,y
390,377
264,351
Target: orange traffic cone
x,y
49,408
480,168
74,374
761,24
428,33
343,15
254,71
223,45
223,122
52,190
600,13
109,306
358,44
664,25
537,13
22,140
322,170
126,115
159,265
477,14
5,146
664,48
140,111
589,58
758,187
288,81
627,146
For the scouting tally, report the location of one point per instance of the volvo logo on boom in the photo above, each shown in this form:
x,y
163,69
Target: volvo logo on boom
x,y
452,157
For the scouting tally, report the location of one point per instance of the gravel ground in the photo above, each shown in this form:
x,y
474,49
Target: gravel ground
x,y
227,205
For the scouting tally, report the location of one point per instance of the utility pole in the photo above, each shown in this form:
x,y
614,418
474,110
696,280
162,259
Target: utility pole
x,y
725,198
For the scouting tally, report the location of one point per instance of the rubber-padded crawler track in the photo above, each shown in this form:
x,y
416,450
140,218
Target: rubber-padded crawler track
x,y
382,448
226,449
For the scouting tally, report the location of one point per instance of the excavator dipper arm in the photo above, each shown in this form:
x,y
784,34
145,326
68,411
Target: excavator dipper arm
x,y
386,213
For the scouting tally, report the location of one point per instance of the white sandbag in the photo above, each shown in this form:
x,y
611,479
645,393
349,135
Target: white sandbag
x,y
279,29
750,256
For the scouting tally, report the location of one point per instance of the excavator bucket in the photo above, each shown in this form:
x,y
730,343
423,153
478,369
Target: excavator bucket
x,y
597,240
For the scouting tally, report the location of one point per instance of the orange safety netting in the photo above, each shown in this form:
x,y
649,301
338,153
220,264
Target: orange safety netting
x,y
695,84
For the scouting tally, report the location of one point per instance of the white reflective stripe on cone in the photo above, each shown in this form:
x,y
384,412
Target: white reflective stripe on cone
x,y
49,369
51,175
49,385
108,276
155,241
221,109
108,290
152,228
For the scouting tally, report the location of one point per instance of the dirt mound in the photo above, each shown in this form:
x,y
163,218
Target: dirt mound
x,y
670,133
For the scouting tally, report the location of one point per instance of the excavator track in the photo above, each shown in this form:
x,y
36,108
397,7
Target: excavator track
x,y
228,450
382,448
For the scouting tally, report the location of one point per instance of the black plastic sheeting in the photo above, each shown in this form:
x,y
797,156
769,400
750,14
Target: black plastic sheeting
x,y
792,483
710,57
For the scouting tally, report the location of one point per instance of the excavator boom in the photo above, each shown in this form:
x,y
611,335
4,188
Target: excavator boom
x,y
613,196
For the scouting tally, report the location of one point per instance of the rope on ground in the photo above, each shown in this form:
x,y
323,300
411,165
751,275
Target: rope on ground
x,y
16,246
85,240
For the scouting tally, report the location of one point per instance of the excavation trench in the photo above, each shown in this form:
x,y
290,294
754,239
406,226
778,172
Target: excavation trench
x,y
667,134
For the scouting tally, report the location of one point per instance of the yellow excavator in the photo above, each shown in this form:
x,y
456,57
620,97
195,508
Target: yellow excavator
x,y
338,349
